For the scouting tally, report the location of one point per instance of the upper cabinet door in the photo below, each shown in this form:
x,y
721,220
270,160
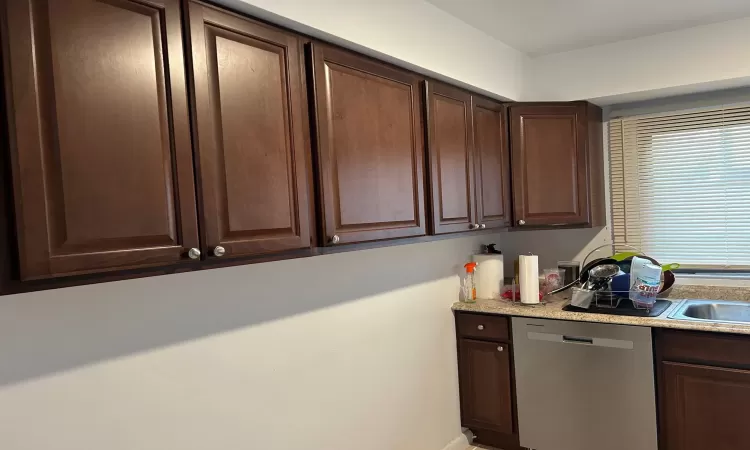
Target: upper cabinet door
x,y
100,141
251,125
450,157
549,153
370,148
492,163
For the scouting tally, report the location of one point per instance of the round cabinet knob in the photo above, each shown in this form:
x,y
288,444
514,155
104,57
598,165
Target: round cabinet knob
x,y
194,253
480,327
219,250
335,239
475,226
522,222
483,226
500,348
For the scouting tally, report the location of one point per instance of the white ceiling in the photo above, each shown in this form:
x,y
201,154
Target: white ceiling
x,y
539,27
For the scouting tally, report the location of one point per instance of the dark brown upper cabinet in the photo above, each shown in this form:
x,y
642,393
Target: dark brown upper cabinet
x,y
110,180
557,163
99,135
370,148
253,149
468,160
451,159
491,163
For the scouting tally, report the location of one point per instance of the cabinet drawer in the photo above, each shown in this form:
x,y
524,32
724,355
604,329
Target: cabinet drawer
x,y
704,347
482,326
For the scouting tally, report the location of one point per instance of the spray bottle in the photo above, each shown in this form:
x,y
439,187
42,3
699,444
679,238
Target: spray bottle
x,y
468,286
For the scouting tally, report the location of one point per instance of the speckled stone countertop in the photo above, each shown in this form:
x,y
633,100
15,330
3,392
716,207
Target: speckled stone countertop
x,y
552,309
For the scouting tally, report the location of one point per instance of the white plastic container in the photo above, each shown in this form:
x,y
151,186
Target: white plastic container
x,y
645,281
490,275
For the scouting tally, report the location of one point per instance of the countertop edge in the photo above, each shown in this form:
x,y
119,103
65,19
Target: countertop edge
x,y
553,311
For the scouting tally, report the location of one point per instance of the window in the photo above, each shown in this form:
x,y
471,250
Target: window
x,y
681,186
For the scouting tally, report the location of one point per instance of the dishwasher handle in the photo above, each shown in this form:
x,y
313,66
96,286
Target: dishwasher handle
x,y
578,340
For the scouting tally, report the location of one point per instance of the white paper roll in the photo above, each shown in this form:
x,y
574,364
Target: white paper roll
x,y
489,275
528,274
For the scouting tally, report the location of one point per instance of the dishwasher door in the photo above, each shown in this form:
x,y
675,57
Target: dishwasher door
x,y
584,386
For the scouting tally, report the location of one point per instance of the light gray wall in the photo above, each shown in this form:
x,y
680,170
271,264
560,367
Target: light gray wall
x,y
352,350
554,245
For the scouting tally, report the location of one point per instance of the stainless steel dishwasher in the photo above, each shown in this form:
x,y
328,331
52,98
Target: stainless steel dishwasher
x,y
584,386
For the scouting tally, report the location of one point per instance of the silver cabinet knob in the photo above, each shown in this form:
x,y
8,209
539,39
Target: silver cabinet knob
x,y
522,222
194,253
483,226
475,226
480,327
500,348
219,250
335,239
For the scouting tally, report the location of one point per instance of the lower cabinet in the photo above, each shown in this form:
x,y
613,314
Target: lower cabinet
x,y
486,379
705,407
703,385
486,386
704,390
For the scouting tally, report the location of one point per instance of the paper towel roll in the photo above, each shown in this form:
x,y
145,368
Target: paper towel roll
x,y
489,275
528,274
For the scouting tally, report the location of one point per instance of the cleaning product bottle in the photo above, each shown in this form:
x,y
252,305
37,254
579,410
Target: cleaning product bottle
x,y
645,281
469,287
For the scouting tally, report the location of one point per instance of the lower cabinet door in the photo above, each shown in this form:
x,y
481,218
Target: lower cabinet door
x,y
486,386
704,407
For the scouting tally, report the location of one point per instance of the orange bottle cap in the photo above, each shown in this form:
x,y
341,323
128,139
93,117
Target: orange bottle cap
x,y
470,267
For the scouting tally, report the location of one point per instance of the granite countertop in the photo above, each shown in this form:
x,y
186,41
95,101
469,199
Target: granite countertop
x,y
552,309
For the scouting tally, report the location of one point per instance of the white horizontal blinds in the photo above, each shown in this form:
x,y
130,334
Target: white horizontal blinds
x,y
626,215
681,186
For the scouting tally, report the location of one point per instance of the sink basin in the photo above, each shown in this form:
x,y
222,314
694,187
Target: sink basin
x,y
713,311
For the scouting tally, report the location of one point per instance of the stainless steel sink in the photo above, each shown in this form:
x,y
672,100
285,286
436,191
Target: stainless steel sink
x,y
713,311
